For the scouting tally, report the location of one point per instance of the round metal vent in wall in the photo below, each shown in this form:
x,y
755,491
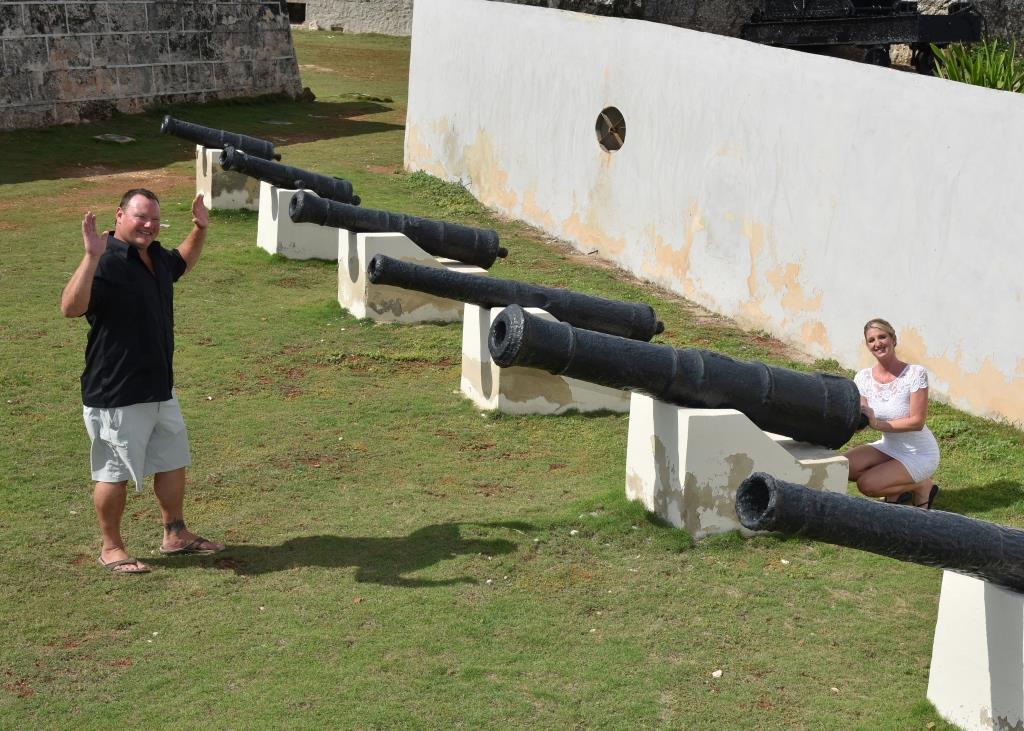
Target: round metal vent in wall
x,y
611,129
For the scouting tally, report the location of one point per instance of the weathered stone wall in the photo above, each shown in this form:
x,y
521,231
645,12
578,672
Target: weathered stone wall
x,y
67,62
390,17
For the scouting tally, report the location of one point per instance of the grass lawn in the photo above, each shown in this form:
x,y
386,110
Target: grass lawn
x,y
398,559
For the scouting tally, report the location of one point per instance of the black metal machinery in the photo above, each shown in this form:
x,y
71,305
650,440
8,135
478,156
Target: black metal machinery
x,y
872,25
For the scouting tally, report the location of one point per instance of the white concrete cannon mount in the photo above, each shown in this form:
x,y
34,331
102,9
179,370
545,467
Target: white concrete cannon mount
x,y
385,303
685,464
519,390
276,233
976,678
223,189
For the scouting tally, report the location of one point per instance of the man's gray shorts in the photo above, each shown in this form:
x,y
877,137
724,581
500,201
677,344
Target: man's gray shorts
x,y
131,442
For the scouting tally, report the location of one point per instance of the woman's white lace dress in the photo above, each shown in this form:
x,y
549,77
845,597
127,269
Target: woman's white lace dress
x,y
916,450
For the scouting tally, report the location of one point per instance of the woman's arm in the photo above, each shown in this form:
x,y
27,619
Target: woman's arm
x,y
914,421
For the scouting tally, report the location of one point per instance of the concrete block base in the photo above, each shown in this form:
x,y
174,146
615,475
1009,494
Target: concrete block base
x,y
223,189
686,464
523,390
977,672
385,303
276,233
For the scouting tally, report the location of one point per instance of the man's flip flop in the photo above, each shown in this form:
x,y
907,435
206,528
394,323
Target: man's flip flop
x,y
193,549
112,567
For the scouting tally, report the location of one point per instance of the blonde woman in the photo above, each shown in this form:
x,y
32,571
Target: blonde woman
x,y
894,396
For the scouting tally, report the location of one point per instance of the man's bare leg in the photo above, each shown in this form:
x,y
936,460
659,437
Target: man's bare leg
x,y
109,498
170,493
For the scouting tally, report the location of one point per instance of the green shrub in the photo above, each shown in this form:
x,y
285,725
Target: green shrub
x,y
992,63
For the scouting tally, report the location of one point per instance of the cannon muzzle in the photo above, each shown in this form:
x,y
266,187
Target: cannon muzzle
x,y
986,551
218,138
626,319
288,177
810,407
477,246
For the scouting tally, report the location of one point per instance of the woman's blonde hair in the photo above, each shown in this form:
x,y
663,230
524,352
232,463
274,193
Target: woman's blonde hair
x,y
880,324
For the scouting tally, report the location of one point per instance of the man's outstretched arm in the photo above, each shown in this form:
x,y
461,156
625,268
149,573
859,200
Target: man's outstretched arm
x,y
192,246
74,300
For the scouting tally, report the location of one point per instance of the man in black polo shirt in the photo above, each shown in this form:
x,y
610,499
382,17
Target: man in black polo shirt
x,y
124,287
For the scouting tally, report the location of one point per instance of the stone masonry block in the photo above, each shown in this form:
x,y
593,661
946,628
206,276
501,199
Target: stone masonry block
x,y
163,16
201,76
134,81
47,18
148,48
87,17
71,52
25,54
270,16
31,115
197,15
13,21
227,14
112,49
17,88
186,46
76,84
127,16
170,79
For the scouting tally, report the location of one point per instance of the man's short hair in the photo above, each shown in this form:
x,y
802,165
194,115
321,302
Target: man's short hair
x,y
137,191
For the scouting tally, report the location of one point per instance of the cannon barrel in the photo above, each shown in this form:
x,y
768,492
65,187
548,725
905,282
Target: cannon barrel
x,y
987,551
478,246
218,138
288,177
810,407
626,319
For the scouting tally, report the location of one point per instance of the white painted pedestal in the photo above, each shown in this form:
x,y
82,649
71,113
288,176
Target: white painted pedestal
x,y
686,464
385,303
223,189
977,673
276,233
518,390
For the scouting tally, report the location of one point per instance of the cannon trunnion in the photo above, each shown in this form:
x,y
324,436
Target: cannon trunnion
x,y
810,407
626,319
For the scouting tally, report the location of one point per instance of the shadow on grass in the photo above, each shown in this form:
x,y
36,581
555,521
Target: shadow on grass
x,y
377,560
981,498
71,151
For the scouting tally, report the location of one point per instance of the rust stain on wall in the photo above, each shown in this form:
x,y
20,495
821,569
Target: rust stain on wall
x,y
486,175
988,390
666,263
814,332
786,279
418,153
751,309
535,214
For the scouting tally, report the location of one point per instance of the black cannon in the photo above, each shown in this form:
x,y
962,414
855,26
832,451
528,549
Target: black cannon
x,y
285,176
478,246
873,25
810,407
218,138
968,546
626,319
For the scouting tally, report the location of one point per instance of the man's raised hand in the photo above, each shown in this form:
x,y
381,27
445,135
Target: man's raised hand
x,y
200,214
94,244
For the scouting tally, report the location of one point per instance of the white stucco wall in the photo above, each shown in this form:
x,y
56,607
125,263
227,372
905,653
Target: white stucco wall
x,y
796,193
